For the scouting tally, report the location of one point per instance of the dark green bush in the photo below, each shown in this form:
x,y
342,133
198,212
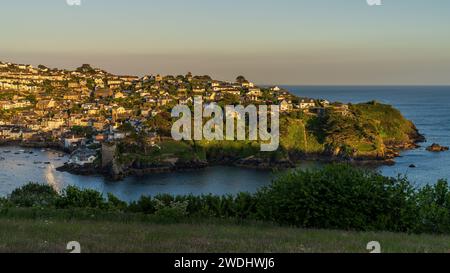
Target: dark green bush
x,y
74,197
172,211
116,204
339,197
34,195
433,203
3,202
145,205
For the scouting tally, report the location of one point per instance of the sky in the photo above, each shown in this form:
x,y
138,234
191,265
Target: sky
x,y
296,42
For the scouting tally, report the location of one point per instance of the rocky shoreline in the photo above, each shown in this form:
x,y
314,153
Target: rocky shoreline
x,y
436,148
117,172
249,163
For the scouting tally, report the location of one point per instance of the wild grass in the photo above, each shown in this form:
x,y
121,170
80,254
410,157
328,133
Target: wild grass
x,y
51,235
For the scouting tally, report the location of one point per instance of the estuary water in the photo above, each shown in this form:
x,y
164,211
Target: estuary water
x,y
427,107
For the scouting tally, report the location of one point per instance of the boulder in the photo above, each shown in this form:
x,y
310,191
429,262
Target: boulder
x,y
437,148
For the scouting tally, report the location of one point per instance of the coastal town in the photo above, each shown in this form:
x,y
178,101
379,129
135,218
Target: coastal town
x,y
89,106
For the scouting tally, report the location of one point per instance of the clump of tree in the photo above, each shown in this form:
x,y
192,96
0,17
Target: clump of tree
x,y
85,68
241,79
83,131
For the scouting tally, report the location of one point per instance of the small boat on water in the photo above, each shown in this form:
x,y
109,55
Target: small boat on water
x,y
17,153
37,162
6,152
21,151
47,163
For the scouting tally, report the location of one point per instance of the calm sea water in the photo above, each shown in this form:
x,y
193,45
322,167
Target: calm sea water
x,y
427,107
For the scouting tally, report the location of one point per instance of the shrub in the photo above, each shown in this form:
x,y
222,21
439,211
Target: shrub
x,y
434,208
339,197
145,205
115,203
34,195
74,197
172,211
4,202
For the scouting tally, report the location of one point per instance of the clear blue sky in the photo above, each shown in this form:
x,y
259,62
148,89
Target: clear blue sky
x,y
269,41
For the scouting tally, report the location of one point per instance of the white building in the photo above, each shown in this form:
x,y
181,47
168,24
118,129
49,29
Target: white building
x,y
83,156
306,104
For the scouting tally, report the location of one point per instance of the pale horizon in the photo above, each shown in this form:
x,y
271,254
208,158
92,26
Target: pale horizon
x,y
287,42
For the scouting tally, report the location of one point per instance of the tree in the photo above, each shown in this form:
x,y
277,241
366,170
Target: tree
x,y
90,84
85,68
83,131
241,79
31,98
229,99
126,128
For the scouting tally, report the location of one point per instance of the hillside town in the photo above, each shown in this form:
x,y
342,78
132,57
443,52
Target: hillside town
x,y
91,106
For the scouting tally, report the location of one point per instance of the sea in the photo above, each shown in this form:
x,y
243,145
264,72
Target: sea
x,y
427,106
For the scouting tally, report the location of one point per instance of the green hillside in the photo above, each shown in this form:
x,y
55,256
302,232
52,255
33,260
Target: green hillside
x,y
365,130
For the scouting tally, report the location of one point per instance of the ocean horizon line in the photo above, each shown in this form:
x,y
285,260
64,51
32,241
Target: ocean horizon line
x,y
356,85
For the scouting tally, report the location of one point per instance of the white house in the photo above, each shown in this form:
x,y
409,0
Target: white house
x,y
83,156
72,142
307,103
275,89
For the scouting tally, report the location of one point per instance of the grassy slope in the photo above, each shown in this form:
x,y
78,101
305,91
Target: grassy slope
x,y
41,235
365,129
393,127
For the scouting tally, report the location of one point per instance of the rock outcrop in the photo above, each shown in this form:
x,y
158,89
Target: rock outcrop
x,y
255,162
436,148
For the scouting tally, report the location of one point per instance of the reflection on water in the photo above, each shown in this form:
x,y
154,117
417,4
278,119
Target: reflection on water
x,y
50,178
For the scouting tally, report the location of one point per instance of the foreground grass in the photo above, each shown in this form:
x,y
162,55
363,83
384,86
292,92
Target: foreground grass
x,y
40,233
